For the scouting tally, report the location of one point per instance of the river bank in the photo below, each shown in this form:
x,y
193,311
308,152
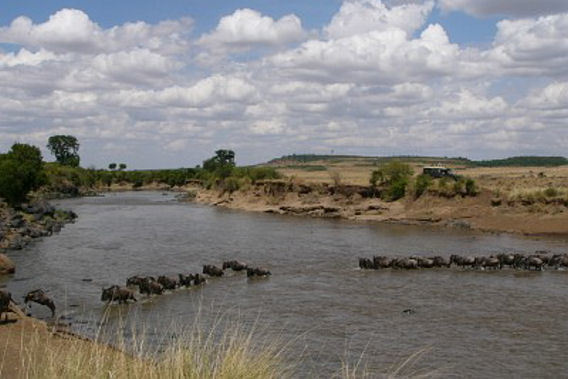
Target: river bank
x,y
352,202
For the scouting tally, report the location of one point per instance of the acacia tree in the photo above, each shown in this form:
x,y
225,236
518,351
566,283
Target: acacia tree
x,y
112,166
221,164
21,171
65,149
122,166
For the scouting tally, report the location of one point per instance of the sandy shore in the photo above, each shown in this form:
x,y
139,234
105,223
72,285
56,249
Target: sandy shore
x,y
476,213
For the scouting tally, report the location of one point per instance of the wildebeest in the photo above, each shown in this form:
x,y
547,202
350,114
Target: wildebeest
x,y
117,293
462,261
405,263
425,262
134,280
441,261
258,271
365,263
199,279
534,262
235,265
382,262
168,283
186,280
506,260
212,270
5,299
487,262
150,286
40,297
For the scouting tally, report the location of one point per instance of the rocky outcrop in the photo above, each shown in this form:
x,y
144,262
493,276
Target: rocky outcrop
x,y
6,265
34,220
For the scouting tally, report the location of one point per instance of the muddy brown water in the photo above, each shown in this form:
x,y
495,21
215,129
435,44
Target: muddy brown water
x,y
465,323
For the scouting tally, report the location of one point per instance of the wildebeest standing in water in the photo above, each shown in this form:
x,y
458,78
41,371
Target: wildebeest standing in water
x,y
168,283
40,297
212,270
117,293
149,286
235,265
258,272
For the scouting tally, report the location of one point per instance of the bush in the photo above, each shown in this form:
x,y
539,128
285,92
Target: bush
x,y
394,176
21,171
470,187
421,185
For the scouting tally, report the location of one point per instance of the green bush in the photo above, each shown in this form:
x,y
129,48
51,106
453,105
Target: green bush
x,y
394,177
421,184
397,189
21,171
470,187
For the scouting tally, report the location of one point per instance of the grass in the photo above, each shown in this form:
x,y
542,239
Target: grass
x,y
228,353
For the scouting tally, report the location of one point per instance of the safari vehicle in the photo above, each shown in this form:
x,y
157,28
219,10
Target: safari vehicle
x,y
439,172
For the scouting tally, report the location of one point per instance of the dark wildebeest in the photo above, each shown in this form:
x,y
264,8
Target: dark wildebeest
x,y
186,280
425,262
212,270
366,264
134,281
199,279
405,263
382,262
462,261
168,283
534,261
5,299
117,293
487,262
150,286
235,265
40,297
506,260
441,261
258,271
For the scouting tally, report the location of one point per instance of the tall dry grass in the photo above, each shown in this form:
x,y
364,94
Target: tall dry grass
x,y
230,353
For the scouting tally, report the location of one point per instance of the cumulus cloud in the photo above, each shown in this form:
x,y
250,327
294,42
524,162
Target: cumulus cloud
x,y
362,16
71,30
533,46
521,8
375,80
247,28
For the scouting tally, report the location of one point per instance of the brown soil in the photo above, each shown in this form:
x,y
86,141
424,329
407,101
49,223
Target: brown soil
x,y
316,200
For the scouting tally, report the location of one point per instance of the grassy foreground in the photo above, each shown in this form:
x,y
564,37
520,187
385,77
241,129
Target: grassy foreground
x,y
30,350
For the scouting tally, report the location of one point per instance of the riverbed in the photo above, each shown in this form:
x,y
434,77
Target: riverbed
x,y
464,323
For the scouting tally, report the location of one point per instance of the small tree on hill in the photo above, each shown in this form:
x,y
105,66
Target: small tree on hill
x,y
122,166
65,149
112,166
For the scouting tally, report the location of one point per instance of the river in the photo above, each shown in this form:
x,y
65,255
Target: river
x,y
465,323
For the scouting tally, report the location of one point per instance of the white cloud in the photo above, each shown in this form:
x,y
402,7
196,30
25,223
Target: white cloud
x,y
247,28
71,30
533,46
362,16
505,7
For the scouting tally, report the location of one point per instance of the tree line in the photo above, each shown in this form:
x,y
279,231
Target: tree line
x,y
22,171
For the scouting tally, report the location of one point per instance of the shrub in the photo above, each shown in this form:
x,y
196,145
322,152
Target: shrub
x,y
421,184
394,176
397,189
470,187
551,192
21,171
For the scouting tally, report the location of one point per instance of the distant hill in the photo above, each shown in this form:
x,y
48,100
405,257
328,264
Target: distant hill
x,y
524,161
520,161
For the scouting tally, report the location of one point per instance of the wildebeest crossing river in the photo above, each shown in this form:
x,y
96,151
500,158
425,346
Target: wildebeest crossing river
x,y
499,323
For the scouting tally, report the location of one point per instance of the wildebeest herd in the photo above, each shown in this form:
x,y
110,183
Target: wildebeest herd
x,y
149,285
540,260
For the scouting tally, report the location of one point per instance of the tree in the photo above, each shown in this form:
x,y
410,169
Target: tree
x,y
112,166
222,159
21,171
122,166
394,177
65,149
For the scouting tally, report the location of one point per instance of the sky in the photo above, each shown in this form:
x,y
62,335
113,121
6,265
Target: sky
x,y
158,84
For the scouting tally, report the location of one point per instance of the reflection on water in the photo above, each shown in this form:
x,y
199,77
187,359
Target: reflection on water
x,y
474,324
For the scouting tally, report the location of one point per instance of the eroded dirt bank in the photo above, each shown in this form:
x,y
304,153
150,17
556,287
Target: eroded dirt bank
x,y
361,203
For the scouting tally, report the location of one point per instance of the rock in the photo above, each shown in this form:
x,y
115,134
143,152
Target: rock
x,y
17,242
40,208
16,221
6,265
